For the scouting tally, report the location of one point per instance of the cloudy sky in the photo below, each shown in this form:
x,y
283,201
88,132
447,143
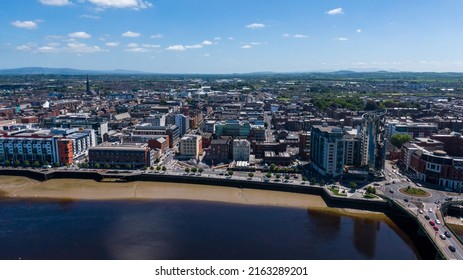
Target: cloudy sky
x,y
232,36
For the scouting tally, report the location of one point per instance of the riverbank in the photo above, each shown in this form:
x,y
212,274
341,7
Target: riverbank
x,y
86,189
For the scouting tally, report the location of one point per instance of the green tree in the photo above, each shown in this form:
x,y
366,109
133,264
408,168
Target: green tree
x,y
117,166
230,173
268,175
278,176
165,168
151,168
287,177
36,163
158,168
352,185
17,162
200,170
57,164
399,139
27,163
187,170
304,178
194,169
273,166
46,163
7,163
371,190
97,165
128,166
107,166
250,175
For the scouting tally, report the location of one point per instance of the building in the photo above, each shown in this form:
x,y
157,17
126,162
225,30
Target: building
x,y
234,128
171,130
373,142
327,150
219,152
122,155
190,146
413,129
304,145
241,150
453,143
56,146
351,147
181,121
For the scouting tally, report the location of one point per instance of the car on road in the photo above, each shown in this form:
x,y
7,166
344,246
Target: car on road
x,y
435,228
391,191
442,236
437,221
432,223
406,199
451,248
447,234
448,198
420,211
427,217
430,210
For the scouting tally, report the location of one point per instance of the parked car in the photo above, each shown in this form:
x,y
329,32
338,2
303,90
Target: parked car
x,y
437,221
435,228
442,236
447,234
432,223
427,217
451,248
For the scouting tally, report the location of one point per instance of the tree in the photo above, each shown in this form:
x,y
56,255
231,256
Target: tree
x,y
17,162
97,165
57,164
371,105
164,168
268,175
107,166
200,170
158,168
371,190
151,168
117,166
27,163
36,163
7,163
250,175
278,176
187,170
287,177
304,178
352,185
128,166
230,173
273,166
46,163
194,169
399,139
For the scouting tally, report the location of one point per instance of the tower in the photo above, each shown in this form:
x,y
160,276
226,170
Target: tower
x,y
88,86
373,142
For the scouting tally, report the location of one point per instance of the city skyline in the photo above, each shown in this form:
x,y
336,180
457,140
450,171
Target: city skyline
x,y
207,36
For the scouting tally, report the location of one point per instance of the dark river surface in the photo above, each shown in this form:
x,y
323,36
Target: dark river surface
x,y
172,229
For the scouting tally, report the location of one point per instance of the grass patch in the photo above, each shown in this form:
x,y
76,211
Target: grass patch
x,y
414,191
336,191
370,196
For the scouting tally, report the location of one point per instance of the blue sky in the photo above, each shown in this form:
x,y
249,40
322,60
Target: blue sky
x,y
233,36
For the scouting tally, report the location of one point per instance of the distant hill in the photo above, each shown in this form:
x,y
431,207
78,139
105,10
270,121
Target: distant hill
x,y
64,71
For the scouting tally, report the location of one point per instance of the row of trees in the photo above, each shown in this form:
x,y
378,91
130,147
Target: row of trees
x,y
274,168
25,163
194,170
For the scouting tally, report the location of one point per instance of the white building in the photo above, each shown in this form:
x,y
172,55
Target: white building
x,y
241,150
190,146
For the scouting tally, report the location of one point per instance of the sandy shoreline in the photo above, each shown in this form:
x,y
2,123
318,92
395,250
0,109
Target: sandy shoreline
x,y
84,189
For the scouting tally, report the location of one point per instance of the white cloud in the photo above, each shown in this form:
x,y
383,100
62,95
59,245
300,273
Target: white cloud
x,y
157,36
286,35
89,16
254,26
359,30
131,34
207,43
80,35
122,4
47,49
246,47
55,2
132,45
184,48
207,54
337,11
231,38
300,36
77,47
255,43
24,48
218,38
28,24
138,50
342,39
176,48
112,44
150,46
197,46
